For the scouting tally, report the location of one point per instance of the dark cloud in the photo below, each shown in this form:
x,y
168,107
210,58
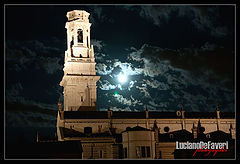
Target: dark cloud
x,y
203,17
98,15
99,44
50,64
22,54
209,57
14,91
22,115
16,95
32,71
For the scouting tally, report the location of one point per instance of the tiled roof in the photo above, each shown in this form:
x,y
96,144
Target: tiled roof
x,y
208,114
179,135
128,115
85,115
136,128
163,115
219,135
73,133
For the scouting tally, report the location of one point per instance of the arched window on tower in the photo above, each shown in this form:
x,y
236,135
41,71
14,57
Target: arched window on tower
x,y
81,97
80,36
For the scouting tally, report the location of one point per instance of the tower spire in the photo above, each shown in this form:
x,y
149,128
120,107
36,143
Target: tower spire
x,y
79,80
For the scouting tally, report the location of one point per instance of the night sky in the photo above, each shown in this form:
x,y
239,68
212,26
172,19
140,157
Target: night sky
x,y
172,55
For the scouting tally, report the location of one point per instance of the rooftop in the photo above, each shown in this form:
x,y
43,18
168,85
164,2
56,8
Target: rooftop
x,y
142,115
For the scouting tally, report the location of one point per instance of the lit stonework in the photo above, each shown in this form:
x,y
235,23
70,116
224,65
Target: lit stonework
x,y
79,80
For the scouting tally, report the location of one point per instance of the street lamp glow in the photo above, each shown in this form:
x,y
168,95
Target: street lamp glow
x,y
122,78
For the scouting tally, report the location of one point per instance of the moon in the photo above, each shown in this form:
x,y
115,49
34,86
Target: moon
x,y
122,78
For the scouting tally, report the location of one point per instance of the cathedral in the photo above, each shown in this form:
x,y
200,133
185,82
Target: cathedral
x,y
123,134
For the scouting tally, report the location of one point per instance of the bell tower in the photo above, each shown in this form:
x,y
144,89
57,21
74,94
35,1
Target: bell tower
x,y
79,80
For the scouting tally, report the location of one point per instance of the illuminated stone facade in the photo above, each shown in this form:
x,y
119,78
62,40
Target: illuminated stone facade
x,y
118,134
79,80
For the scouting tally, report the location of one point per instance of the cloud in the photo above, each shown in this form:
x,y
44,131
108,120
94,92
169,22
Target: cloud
x,y
25,101
127,68
208,57
219,32
203,18
105,85
119,109
15,90
208,47
159,105
97,11
184,76
157,14
50,64
122,100
98,15
144,90
149,57
156,84
99,44
207,21
131,83
28,119
102,69
15,94
129,102
27,113
34,54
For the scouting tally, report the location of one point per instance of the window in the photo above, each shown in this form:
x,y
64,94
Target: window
x,y
166,129
143,151
80,36
99,128
125,152
148,151
138,152
87,130
100,154
207,135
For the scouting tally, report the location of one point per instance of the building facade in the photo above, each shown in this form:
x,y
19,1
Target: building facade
x,y
148,134
121,134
